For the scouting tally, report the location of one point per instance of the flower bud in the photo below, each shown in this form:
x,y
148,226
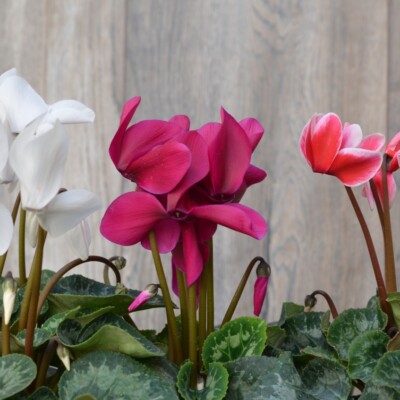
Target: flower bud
x,y
260,287
309,303
9,292
263,269
120,288
119,262
149,292
64,355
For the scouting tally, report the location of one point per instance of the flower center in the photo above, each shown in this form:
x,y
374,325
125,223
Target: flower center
x,y
179,215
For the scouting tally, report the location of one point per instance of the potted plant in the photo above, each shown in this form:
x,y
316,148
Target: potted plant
x,y
70,337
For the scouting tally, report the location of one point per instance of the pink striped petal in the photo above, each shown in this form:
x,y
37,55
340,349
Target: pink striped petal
x,y
355,166
130,217
326,138
351,135
234,216
126,116
393,146
392,187
305,139
167,233
367,193
161,168
374,142
229,155
260,291
254,131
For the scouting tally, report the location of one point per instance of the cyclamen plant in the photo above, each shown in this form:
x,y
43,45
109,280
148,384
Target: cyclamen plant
x,y
70,337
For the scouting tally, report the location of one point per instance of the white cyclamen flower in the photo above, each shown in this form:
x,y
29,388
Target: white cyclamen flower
x,y
6,229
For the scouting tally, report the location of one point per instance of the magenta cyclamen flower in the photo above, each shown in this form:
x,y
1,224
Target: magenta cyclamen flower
x,y
342,152
148,293
149,152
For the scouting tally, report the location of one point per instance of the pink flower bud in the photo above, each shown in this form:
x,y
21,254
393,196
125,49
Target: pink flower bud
x,y
149,292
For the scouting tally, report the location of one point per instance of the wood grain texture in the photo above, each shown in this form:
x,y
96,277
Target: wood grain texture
x,y
278,61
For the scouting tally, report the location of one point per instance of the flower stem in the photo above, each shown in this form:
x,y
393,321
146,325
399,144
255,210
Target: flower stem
x,y
202,309
45,362
372,253
35,276
21,247
209,272
329,300
378,204
184,311
171,321
5,336
14,217
236,297
193,334
67,267
390,269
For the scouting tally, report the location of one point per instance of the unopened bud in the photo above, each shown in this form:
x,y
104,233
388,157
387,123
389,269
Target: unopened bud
x,y
149,292
263,269
64,355
119,262
120,288
9,287
309,303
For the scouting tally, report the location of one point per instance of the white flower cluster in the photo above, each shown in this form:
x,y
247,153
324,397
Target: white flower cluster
x,y
33,153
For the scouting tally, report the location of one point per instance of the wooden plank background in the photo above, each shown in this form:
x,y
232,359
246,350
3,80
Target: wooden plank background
x,y
278,61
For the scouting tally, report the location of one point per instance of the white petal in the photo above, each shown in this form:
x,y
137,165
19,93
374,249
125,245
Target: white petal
x,y
39,161
79,239
31,227
7,74
3,146
67,210
21,102
7,175
69,112
6,229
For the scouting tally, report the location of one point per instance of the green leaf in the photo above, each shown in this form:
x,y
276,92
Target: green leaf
x,y
303,330
245,336
108,375
351,324
289,310
393,299
319,352
43,393
41,336
17,371
215,387
78,291
52,323
276,336
364,353
107,332
372,392
263,378
326,379
387,371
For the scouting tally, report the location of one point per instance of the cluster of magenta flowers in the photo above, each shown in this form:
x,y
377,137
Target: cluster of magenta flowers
x,y
188,181
340,150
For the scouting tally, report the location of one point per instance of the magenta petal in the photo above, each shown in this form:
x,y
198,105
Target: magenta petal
x,y
126,116
355,166
130,217
143,297
167,233
229,155
192,254
181,120
209,131
260,291
160,169
325,142
373,142
198,169
254,175
393,146
254,131
234,216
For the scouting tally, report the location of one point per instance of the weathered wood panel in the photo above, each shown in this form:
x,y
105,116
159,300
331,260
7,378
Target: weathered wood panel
x,y
278,61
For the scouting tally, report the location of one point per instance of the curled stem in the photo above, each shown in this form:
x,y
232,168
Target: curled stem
x,y
390,270
106,277
172,325
67,267
372,253
328,299
236,297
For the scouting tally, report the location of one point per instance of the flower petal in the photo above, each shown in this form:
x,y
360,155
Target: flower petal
x,y
130,217
234,216
229,155
161,168
351,135
355,166
373,142
21,102
67,210
194,262
79,239
254,131
6,229
305,139
181,120
326,138
142,298
69,112
39,161
167,233
260,291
